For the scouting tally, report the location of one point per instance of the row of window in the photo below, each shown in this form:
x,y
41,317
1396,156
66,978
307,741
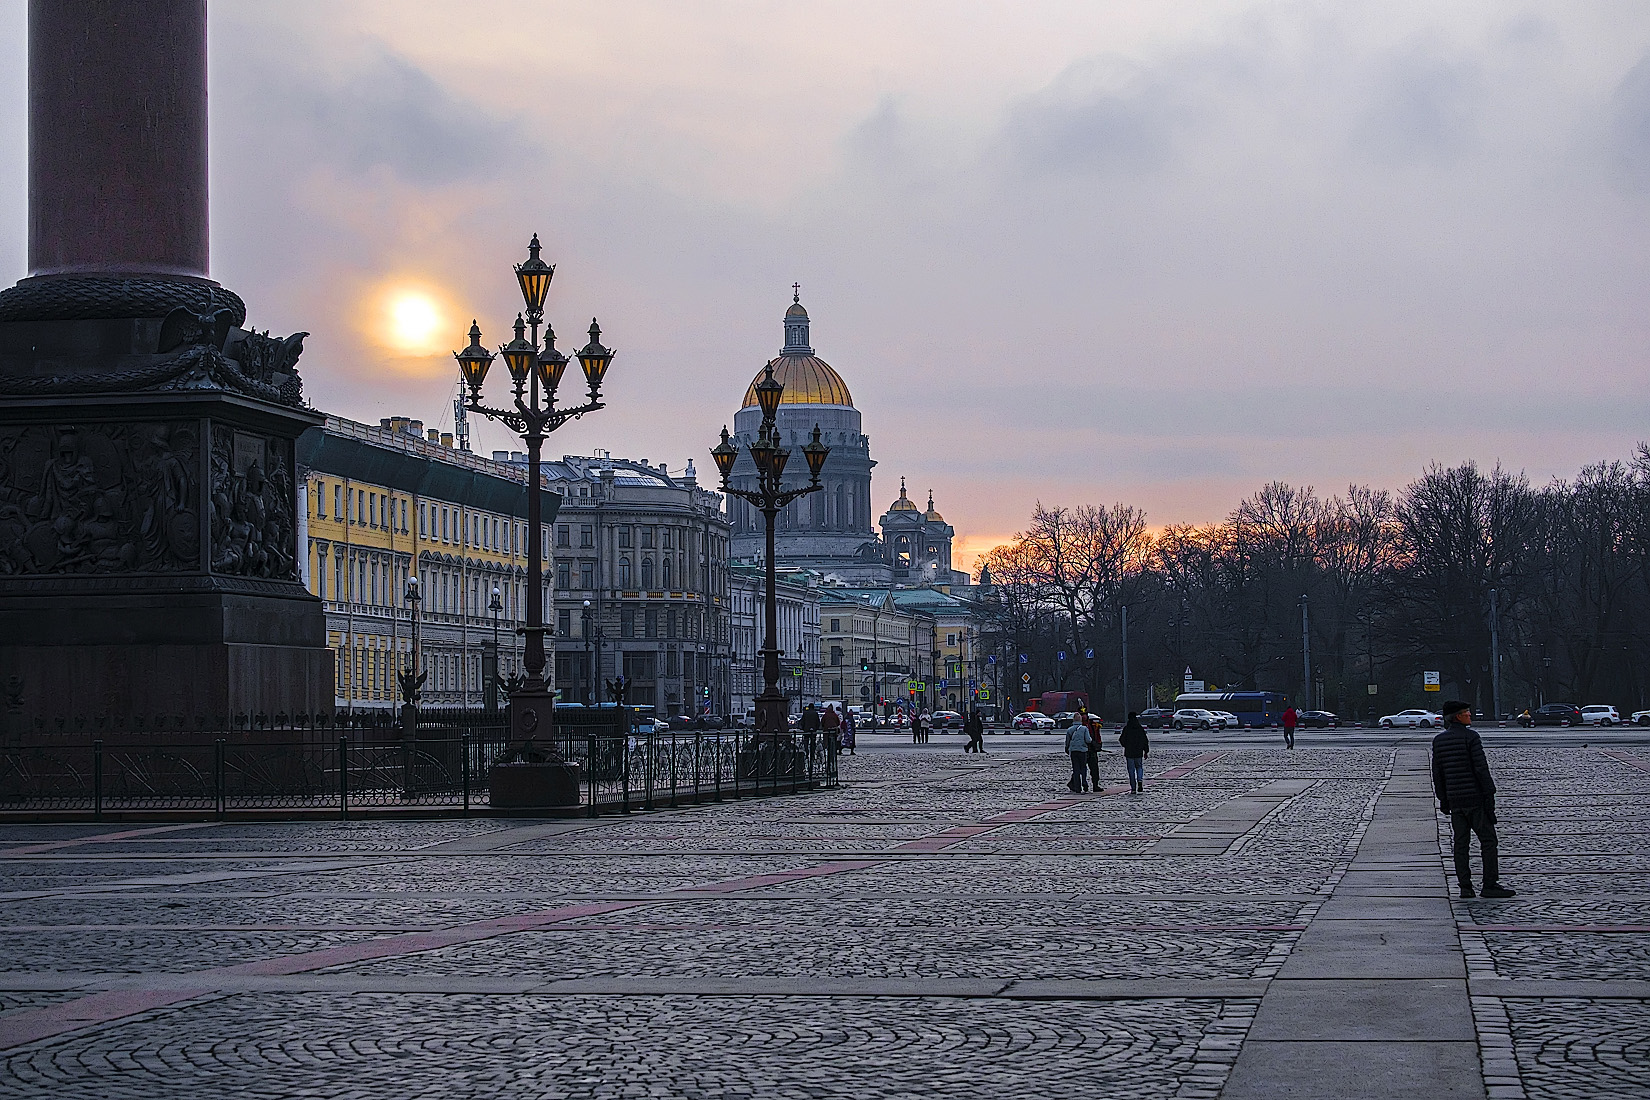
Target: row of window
x,y
378,580
451,524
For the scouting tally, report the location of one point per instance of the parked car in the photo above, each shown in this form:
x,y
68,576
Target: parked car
x,y
1229,721
1319,719
947,720
1552,714
1413,719
1064,719
1155,718
1193,718
1031,720
1600,716
1641,717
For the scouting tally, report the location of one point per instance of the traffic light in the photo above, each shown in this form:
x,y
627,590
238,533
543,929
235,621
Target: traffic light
x,y
864,665
707,693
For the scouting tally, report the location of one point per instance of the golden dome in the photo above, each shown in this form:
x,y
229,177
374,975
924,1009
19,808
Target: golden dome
x,y
904,503
808,380
932,515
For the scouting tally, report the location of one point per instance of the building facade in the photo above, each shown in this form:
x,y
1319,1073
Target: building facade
x,y
381,503
640,584
872,648
798,596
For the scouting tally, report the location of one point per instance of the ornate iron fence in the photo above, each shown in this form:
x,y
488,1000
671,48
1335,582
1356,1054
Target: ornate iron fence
x,y
350,768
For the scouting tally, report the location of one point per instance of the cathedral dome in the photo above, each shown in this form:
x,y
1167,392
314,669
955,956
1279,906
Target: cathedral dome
x,y
808,379
904,503
933,515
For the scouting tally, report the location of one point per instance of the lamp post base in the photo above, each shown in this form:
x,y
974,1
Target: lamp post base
x,y
533,718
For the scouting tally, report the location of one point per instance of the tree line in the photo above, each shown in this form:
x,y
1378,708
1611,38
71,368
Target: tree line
x,y
1508,590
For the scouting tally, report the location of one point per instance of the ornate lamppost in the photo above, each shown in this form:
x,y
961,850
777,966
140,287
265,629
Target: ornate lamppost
x,y
412,679
769,497
490,659
532,705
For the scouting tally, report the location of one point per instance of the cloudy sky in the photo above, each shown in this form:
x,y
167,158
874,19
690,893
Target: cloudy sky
x,y
1157,253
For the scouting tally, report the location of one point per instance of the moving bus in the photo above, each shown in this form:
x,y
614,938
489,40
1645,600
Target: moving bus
x,y
1253,708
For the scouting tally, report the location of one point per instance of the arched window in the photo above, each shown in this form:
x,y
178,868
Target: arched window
x,y
902,551
624,572
647,572
665,569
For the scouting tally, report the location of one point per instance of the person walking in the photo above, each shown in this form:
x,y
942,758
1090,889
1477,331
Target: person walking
x,y
1092,722
1136,747
848,733
1466,793
831,725
976,732
1077,745
1291,719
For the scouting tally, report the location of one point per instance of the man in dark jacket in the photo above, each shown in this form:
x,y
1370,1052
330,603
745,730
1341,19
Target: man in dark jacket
x,y
1136,747
1461,780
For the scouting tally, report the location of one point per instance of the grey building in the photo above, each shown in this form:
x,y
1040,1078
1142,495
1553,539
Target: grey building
x,y
640,584
797,599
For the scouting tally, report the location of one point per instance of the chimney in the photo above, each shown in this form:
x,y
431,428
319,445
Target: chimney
x,y
434,436
447,439
416,427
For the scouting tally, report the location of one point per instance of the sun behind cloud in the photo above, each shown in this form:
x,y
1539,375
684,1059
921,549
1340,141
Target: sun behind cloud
x,y
415,322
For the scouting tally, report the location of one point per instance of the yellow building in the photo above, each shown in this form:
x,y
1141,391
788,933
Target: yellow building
x,y
381,502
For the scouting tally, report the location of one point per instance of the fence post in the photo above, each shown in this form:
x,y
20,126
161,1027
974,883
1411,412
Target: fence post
x,y
343,777
624,767
649,760
590,769
97,779
218,776
464,751
673,767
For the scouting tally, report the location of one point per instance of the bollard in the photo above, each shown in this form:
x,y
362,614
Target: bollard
x,y
343,778
97,779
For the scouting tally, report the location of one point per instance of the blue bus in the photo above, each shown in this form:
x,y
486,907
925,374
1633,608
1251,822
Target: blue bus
x,y
1253,708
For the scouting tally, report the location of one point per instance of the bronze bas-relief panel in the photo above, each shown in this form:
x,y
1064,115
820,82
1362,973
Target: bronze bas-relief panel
x,y
252,506
99,498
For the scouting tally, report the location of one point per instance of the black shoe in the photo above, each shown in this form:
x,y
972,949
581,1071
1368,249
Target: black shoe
x,y
1496,890
1466,891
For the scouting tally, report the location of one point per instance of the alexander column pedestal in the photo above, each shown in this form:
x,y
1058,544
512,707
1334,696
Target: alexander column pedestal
x,y
149,558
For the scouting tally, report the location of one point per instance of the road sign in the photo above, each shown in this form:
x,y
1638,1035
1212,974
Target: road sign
x,y
1429,682
1062,655
991,660
796,671
1022,658
983,693
1089,654
1026,676
944,684
1372,689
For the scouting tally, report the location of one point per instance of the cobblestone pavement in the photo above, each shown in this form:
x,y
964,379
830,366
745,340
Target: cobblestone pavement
x,y
942,925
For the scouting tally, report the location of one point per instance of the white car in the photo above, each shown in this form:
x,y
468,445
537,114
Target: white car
x,y
1413,719
1031,720
1641,717
1600,716
1229,721
1193,718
